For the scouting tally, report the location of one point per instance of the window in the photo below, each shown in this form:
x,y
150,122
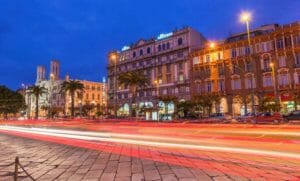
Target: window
x,y
233,52
287,41
221,86
164,46
93,96
159,70
219,56
297,40
208,86
236,84
159,48
148,50
181,77
297,59
281,61
180,54
207,58
248,66
249,83
133,54
283,79
98,96
168,45
141,63
148,62
247,50
180,41
87,96
279,44
180,66
267,81
297,77
169,78
235,69
195,60
168,66
141,52
266,63
220,69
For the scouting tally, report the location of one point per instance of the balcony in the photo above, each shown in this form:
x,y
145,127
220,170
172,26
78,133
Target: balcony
x,y
284,87
267,69
297,66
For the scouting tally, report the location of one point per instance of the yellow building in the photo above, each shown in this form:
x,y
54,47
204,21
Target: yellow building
x,y
91,102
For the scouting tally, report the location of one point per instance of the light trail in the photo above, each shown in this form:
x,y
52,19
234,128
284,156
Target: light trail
x,y
108,137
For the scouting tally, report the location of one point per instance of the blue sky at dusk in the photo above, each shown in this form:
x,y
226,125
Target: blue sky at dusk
x,y
80,33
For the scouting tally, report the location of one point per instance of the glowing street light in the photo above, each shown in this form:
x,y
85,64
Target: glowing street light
x,y
113,57
212,44
246,17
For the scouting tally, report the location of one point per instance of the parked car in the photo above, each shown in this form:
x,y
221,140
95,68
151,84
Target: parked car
x,y
293,116
248,118
268,117
217,118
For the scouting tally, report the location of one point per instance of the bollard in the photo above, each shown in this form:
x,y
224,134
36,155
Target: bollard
x,y
16,169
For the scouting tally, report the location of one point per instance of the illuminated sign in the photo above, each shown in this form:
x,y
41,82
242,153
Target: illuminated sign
x,y
125,48
164,35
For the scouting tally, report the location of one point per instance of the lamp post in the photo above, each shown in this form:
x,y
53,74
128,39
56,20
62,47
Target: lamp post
x,y
50,95
246,18
114,59
156,82
272,65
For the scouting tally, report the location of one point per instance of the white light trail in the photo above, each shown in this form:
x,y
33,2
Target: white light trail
x,y
106,137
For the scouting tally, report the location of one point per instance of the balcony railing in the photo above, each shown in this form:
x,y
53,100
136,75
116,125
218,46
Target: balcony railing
x,y
267,69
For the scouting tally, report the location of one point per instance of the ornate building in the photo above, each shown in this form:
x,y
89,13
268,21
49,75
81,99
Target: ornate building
x,y
163,59
54,100
236,71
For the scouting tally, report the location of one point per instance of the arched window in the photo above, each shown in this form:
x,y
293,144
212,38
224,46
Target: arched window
x,y
134,54
148,50
159,48
164,46
179,41
141,52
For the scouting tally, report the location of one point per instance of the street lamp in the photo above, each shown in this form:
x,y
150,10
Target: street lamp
x,y
272,65
156,82
245,17
113,57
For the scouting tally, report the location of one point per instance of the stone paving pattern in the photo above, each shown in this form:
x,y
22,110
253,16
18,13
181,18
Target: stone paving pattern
x,y
50,161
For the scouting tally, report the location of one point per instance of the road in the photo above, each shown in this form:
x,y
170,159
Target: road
x,y
153,151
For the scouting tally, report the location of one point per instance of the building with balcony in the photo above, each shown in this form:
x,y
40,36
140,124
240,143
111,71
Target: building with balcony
x,y
164,60
238,72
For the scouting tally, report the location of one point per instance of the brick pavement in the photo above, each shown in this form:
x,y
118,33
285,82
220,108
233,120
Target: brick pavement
x,y
51,161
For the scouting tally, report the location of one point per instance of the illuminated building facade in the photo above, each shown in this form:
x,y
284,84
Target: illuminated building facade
x,y
91,102
164,60
236,71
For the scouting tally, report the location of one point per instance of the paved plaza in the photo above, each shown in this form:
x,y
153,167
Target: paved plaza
x,y
87,150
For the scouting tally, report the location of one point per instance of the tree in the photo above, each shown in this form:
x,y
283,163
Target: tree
x,y
37,91
297,99
207,101
11,102
167,99
72,87
268,104
185,108
133,80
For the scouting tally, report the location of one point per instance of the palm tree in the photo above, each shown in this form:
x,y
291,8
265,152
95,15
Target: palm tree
x,y
72,87
37,91
133,80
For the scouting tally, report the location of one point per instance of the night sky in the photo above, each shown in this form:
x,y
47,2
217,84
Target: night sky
x,y
79,33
